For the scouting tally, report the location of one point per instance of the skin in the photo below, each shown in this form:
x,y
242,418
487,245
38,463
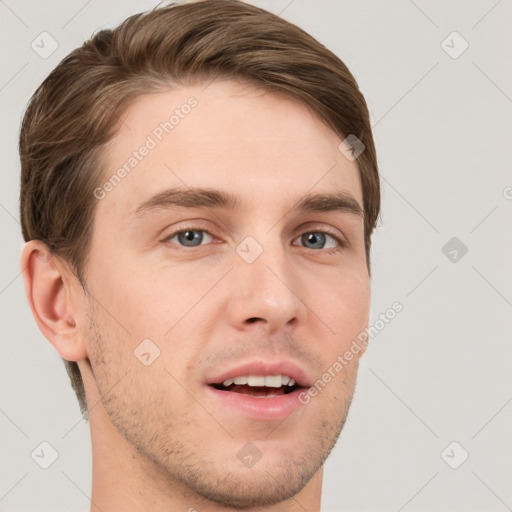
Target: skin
x,y
158,440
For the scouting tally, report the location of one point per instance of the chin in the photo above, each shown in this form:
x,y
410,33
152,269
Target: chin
x,y
255,487
254,474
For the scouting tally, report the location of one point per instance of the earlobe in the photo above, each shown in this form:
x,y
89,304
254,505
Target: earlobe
x,y
52,296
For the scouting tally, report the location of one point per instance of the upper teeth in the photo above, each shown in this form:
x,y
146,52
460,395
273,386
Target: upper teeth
x,y
270,381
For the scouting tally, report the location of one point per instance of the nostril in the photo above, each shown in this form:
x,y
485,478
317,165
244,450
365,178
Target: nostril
x,y
253,319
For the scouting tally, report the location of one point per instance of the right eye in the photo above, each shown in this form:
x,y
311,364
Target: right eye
x,y
189,237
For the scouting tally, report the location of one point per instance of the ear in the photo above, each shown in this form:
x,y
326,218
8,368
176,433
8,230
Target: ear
x,y
55,298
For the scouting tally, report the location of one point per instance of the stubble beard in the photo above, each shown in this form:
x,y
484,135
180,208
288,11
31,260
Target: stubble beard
x,y
174,460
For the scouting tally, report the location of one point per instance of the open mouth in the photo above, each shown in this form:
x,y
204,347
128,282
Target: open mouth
x,y
266,392
259,386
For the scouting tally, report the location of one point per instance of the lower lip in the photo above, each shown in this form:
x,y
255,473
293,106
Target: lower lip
x,y
273,408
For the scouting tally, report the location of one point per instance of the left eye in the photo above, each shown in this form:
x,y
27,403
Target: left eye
x,y
191,237
318,240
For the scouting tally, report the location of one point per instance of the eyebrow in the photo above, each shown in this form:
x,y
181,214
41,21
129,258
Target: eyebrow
x,y
213,198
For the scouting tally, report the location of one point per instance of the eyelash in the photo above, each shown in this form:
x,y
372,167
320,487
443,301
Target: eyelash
x,y
333,250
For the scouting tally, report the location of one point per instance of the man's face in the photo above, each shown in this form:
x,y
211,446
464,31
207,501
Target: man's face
x,y
259,290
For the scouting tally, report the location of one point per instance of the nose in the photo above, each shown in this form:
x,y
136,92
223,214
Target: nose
x,y
265,294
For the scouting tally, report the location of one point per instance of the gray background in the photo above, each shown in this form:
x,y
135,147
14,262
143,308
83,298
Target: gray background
x,y
440,371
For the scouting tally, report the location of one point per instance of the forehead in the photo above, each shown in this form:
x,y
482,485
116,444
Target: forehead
x,y
224,135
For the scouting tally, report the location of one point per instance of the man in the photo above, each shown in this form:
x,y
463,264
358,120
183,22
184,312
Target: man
x,y
199,189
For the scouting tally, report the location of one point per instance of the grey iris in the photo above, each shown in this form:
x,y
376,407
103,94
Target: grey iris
x,y
317,240
190,238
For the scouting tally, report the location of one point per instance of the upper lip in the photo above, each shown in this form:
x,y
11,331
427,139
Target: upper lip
x,y
263,368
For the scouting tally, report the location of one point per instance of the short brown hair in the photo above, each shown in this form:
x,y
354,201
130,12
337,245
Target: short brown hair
x,y
77,108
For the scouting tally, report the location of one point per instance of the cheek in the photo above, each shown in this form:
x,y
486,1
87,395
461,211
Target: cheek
x,y
344,306
138,301
131,375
